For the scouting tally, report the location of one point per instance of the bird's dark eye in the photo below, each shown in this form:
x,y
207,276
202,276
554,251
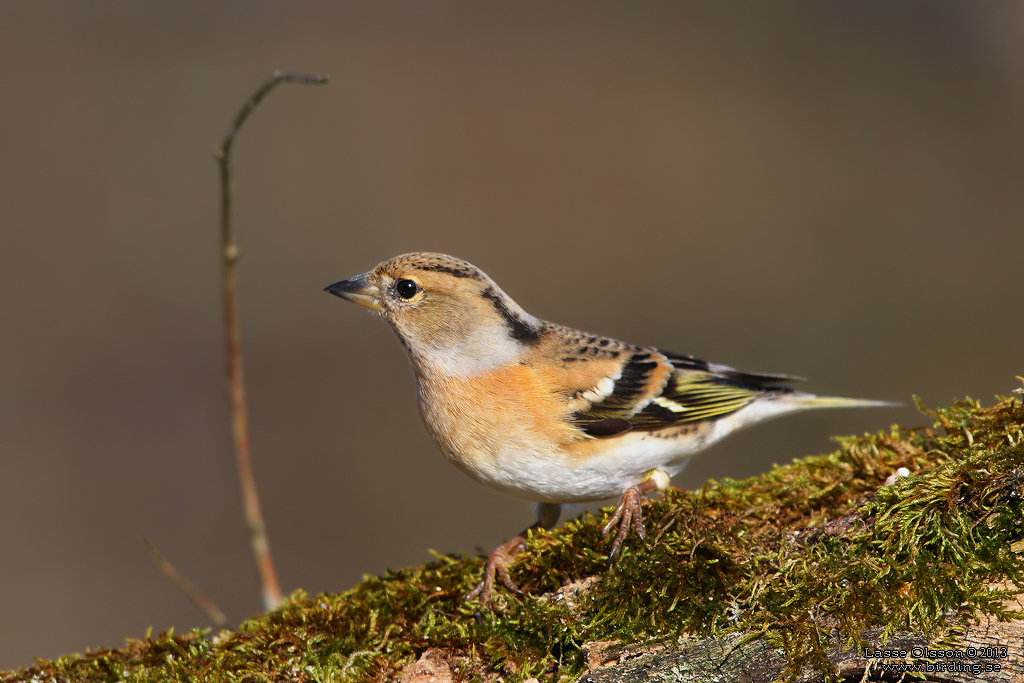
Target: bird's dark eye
x,y
406,288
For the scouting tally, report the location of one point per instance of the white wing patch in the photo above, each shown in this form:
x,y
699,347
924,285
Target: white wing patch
x,y
602,391
669,404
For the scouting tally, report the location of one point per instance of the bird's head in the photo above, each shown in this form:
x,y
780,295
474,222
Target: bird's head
x,y
450,316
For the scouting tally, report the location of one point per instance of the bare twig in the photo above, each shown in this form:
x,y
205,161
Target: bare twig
x,y
215,615
236,385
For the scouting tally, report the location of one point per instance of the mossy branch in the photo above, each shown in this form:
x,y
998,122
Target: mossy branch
x,y
788,575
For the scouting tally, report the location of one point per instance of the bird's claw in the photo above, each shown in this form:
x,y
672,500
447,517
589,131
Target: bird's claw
x,y
497,565
629,514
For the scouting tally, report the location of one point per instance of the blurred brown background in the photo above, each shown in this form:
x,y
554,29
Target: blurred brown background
x,y
832,190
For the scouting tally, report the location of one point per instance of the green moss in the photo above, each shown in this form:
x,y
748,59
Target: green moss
x,y
813,550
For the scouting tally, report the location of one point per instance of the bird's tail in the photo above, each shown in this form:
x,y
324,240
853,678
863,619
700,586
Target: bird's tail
x,y
813,401
784,403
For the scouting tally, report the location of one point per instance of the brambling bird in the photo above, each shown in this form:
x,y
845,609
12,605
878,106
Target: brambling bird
x,y
552,414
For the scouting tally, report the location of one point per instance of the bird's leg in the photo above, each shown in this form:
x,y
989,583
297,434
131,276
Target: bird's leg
x,y
501,557
629,513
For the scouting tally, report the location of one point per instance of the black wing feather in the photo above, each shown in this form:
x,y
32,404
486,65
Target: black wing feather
x,y
696,391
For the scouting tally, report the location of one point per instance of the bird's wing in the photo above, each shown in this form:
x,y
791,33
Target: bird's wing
x,y
651,390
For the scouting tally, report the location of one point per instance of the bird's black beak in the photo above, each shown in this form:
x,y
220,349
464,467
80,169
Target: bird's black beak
x,y
358,290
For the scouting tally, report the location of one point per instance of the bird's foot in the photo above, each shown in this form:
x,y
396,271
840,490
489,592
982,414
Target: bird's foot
x,y
500,559
497,566
629,514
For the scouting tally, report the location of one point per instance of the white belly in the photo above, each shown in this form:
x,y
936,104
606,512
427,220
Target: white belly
x,y
555,478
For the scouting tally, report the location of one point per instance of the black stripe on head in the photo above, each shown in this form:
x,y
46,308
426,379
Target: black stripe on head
x,y
453,271
520,329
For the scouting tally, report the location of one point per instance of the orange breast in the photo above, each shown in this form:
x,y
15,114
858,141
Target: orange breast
x,y
502,409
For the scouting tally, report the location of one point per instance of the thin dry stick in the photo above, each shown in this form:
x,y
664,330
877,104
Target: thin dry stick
x,y
215,615
236,385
